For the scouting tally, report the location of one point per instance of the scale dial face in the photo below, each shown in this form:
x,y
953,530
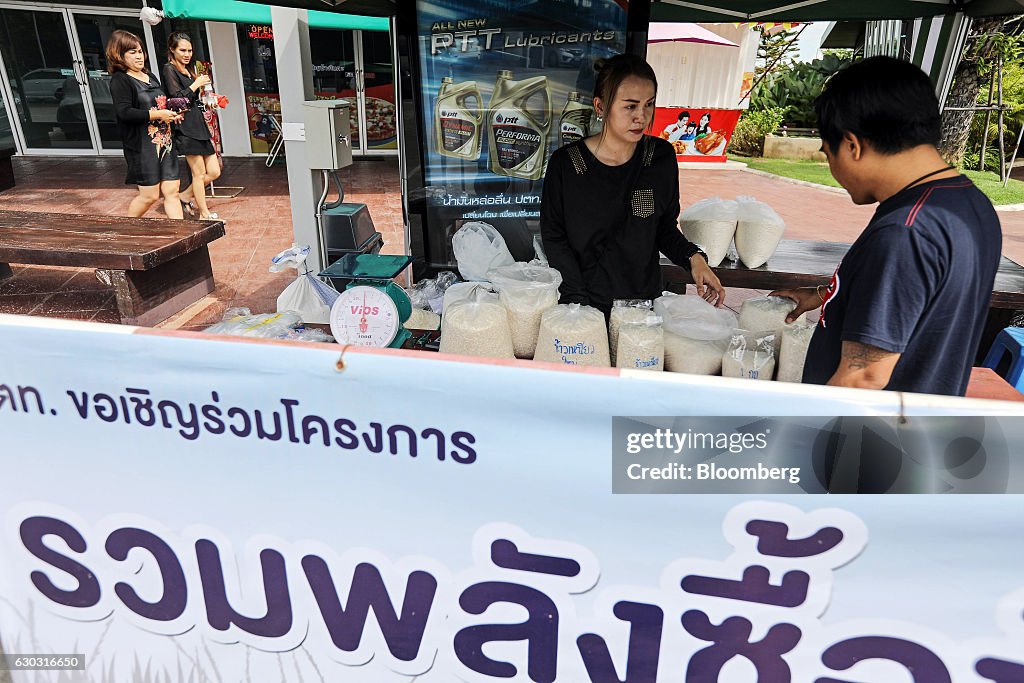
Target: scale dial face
x,y
364,316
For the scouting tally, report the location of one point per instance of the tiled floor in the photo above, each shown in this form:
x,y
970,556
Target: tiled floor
x,y
259,226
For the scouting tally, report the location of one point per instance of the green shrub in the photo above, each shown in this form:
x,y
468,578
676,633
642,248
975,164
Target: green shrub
x,y
753,127
794,88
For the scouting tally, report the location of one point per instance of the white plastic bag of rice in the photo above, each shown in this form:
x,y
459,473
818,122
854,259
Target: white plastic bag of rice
x,y
423,320
625,310
696,333
476,325
573,334
751,355
694,356
526,290
642,345
711,224
758,231
478,248
795,340
769,313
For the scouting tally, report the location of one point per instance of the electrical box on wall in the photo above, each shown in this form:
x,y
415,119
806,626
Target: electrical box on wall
x,y
328,141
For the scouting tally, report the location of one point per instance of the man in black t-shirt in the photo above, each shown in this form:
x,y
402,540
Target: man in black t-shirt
x,y
906,306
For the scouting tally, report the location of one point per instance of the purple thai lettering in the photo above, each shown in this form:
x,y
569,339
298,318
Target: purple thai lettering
x,y
505,554
540,631
174,599
922,664
33,530
410,435
1000,670
440,440
755,586
347,438
732,639
219,612
23,391
464,442
246,427
289,417
646,623
311,424
773,540
108,412
375,443
262,432
81,403
403,634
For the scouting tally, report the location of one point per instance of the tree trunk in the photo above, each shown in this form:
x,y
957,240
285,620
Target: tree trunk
x,y
956,125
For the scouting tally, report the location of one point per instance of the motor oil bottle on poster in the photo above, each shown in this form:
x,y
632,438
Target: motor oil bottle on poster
x,y
518,124
458,119
575,122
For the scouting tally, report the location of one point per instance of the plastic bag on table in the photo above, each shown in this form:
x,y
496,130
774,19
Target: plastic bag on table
x,y
479,248
429,294
769,313
623,311
527,290
307,295
241,322
711,224
573,334
641,344
694,318
475,323
751,355
759,230
796,339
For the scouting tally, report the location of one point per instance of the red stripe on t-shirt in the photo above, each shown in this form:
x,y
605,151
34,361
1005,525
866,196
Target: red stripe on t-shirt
x,y
924,198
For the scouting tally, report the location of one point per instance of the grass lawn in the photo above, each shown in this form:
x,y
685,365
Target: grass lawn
x,y
817,172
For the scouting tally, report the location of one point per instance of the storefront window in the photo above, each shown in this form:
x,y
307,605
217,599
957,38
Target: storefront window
x,y
336,75
259,80
6,129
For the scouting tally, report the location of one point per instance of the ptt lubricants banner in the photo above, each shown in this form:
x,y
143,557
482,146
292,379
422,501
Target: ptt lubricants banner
x,y
505,83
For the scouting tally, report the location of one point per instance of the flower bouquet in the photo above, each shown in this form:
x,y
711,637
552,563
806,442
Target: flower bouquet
x,y
160,131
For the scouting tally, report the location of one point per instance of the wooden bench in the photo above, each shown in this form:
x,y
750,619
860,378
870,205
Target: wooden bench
x,y
156,266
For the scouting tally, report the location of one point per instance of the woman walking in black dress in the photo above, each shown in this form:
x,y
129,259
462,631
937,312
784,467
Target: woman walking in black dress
x,y
145,127
191,136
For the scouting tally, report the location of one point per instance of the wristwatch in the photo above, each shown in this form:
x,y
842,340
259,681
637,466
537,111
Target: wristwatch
x,y
702,253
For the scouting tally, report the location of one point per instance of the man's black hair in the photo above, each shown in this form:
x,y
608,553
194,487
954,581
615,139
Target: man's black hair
x,y
683,115
887,102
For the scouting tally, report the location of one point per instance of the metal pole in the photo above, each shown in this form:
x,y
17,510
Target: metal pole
x,y
988,121
1002,142
1013,158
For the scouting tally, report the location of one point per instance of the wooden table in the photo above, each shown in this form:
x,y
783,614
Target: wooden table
x,y
156,266
808,263
985,383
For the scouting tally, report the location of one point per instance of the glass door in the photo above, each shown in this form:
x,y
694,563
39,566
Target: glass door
x,y
55,76
96,109
40,71
375,81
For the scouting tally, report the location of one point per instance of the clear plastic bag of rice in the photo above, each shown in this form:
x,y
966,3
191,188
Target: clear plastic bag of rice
x,y
422,319
475,324
769,313
696,333
625,310
751,355
642,345
573,334
711,224
795,340
526,290
758,231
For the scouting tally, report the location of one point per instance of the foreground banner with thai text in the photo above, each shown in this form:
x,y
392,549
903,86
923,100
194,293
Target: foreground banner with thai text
x,y
174,504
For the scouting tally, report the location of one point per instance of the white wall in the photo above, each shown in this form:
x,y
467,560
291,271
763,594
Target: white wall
x,y
227,77
700,75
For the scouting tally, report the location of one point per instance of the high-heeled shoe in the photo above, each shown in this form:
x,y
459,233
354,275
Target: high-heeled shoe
x,y
189,209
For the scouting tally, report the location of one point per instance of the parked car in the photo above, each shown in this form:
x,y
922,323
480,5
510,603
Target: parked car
x,y
45,84
71,110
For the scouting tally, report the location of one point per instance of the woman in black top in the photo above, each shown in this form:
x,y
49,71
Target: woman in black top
x,y
191,136
611,201
144,126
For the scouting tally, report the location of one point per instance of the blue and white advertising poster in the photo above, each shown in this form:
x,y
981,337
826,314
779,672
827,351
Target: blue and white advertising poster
x,y
504,84
179,507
